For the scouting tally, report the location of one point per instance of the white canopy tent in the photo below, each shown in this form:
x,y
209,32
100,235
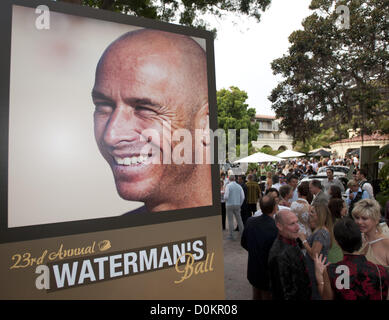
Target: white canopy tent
x,y
290,154
259,157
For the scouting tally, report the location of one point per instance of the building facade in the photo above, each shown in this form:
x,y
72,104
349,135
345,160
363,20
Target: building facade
x,y
269,134
341,147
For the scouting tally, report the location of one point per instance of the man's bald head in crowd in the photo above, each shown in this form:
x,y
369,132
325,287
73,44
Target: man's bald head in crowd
x,y
287,223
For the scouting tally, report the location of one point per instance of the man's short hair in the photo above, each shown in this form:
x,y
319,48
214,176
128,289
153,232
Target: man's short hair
x,y
267,204
250,177
275,179
231,178
348,235
293,176
362,172
285,190
272,190
316,183
303,189
330,169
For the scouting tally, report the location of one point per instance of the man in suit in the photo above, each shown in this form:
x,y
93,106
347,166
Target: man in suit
x,y
258,237
320,196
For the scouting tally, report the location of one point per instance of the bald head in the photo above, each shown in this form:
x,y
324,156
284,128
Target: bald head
x,y
287,223
174,62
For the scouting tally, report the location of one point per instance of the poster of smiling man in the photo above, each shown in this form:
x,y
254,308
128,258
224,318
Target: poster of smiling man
x,y
106,171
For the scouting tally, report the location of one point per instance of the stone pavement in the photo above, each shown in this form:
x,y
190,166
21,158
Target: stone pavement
x,y
236,284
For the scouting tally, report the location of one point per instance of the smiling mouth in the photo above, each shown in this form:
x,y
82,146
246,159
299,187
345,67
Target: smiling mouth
x,y
131,161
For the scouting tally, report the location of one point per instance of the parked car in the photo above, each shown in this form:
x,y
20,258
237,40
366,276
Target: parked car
x,y
340,172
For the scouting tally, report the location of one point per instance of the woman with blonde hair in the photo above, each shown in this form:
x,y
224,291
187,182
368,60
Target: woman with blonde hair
x,y
301,207
269,181
375,246
319,242
285,171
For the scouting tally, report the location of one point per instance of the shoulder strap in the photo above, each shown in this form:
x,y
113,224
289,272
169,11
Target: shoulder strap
x,y
358,196
363,183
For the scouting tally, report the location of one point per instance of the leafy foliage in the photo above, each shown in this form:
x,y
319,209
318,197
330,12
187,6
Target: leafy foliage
x,y
234,113
334,76
185,12
269,150
382,155
317,140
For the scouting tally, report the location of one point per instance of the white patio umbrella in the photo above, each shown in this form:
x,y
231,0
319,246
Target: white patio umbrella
x,y
258,157
290,154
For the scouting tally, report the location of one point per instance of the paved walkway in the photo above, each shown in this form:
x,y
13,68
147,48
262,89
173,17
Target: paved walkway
x,y
236,284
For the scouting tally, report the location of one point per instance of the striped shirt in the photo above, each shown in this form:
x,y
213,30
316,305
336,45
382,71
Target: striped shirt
x,y
253,192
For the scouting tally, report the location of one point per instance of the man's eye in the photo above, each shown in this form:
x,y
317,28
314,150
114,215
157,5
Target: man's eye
x,y
103,108
144,110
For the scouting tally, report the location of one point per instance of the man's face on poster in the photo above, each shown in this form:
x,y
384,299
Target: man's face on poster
x,y
142,93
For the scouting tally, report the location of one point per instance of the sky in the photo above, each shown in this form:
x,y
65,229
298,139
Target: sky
x,y
244,49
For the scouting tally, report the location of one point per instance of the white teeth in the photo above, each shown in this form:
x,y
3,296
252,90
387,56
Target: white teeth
x,y
119,160
127,161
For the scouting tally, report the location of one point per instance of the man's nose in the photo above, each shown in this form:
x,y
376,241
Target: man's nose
x,y
121,126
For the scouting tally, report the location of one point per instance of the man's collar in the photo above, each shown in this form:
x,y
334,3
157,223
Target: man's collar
x,y
291,242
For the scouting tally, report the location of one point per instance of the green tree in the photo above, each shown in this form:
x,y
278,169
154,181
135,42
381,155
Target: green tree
x,y
269,150
185,12
383,156
317,140
335,75
234,113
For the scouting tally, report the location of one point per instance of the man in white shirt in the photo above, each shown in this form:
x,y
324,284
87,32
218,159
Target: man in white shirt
x,y
276,182
293,182
234,197
361,178
332,181
354,194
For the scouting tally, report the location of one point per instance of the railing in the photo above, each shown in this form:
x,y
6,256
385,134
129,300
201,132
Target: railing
x,y
268,127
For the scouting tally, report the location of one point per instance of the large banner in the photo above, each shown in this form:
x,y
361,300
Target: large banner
x,y
106,184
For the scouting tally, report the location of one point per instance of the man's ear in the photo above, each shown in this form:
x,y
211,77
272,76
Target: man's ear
x,y
202,123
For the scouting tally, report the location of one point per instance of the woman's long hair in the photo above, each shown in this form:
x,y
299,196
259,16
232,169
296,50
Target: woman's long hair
x,y
324,219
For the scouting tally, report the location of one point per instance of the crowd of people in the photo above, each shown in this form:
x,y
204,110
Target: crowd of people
x,y
309,240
